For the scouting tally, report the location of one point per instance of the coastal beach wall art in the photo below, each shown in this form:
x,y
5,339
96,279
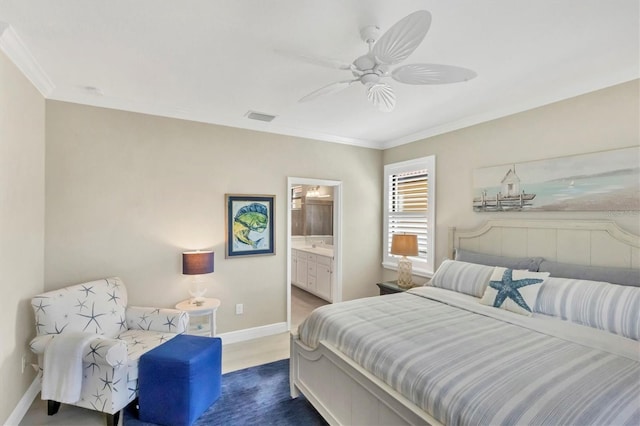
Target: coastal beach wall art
x,y
599,181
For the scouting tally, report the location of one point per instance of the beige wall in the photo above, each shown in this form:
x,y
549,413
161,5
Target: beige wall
x,y
127,193
22,122
598,121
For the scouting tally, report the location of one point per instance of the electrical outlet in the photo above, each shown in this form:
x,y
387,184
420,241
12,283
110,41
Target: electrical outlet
x,y
239,309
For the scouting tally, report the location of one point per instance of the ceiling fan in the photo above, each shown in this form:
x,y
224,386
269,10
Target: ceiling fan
x,y
391,48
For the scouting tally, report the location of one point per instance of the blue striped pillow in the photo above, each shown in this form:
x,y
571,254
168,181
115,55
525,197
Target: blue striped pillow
x,y
605,306
463,277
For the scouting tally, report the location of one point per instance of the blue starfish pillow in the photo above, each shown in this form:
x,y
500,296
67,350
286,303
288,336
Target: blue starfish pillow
x,y
513,289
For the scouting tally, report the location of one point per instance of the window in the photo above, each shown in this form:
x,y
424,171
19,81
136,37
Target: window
x,y
409,207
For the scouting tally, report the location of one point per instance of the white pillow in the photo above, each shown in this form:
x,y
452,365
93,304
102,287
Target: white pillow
x,y
463,277
513,289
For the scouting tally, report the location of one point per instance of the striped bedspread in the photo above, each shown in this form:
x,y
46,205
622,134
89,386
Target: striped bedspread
x,y
467,366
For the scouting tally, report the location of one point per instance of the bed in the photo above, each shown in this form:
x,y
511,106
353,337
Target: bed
x,y
446,354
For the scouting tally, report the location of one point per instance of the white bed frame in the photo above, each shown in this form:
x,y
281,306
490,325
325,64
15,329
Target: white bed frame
x,y
346,394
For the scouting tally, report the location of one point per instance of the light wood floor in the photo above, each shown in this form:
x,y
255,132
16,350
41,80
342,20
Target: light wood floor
x,y
235,356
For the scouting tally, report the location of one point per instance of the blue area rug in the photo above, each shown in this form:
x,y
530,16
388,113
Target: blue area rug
x,y
256,395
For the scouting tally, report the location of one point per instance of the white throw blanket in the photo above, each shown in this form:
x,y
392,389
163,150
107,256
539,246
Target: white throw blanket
x,y
62,367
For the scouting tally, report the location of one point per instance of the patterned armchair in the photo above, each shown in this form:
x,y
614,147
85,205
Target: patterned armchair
x,y
122,334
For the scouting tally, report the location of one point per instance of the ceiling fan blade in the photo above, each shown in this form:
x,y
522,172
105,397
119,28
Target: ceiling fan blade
x,y
382,96
431,74
316,60
328,89
402,38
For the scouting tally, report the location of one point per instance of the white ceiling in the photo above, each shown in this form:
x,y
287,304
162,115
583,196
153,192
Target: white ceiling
x,y
213,60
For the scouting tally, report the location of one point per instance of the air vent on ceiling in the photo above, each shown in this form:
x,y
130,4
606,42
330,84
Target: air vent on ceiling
x,y
92,90
259,116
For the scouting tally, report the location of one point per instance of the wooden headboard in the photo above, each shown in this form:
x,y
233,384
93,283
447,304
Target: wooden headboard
x,y
580,242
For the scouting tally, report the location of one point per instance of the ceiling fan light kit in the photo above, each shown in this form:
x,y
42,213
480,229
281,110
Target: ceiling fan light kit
x,y
393,47
382,96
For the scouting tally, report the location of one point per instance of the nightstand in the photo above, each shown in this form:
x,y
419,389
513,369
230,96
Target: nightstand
x,y
202,318
390,287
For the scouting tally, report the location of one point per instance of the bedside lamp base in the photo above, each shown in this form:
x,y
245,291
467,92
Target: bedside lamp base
x,y
405,279
197,292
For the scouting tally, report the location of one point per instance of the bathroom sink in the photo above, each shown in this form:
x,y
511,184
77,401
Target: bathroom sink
x,y
322,251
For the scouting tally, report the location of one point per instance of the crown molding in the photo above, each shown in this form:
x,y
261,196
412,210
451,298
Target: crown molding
x,y
173,111
17,51
570,91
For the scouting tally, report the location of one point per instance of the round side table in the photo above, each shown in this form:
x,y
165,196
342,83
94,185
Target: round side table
x,y
207,310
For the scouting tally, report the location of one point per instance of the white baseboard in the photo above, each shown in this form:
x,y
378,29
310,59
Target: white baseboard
x,y
25,402
253,333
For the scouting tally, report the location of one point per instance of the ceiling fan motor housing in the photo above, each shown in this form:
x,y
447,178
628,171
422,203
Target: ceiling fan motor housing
x,y
368,70
365,63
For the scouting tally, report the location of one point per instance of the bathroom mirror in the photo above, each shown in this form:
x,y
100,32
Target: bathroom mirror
x,y
311,210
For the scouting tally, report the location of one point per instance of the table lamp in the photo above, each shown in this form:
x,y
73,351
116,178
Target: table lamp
x,y
197,263
404,245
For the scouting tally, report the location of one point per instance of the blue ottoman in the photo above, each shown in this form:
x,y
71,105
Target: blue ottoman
x,y
179,380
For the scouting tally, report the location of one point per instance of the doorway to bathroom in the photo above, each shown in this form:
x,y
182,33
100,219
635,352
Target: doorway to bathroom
x,y
314,247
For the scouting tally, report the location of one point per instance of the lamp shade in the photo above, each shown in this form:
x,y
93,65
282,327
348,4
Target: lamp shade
x,y
404,244
197,262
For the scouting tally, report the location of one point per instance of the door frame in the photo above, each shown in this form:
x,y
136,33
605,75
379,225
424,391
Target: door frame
x,y
336,286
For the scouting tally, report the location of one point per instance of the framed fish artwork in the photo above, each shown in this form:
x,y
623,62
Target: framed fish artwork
x,y
250,225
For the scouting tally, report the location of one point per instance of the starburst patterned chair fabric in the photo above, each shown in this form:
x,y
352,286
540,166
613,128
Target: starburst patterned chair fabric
x,y
123,334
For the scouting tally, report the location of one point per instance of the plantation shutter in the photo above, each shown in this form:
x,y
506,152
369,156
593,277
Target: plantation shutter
x,y
408,207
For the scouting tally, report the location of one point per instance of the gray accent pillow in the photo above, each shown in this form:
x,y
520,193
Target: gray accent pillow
x,y
623,276
528,263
